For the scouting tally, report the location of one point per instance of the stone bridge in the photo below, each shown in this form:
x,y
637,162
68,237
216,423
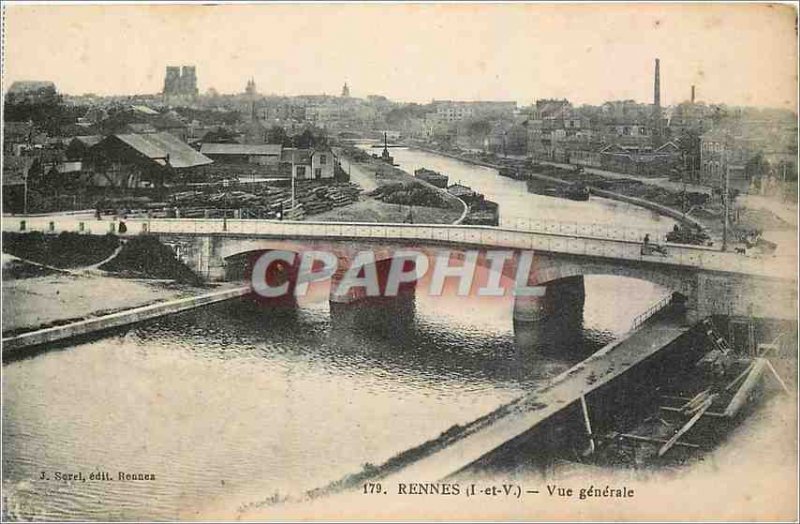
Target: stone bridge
x,y
713,282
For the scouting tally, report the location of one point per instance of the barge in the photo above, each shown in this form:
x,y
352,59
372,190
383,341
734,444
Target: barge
x,y
481,212
432,177
512,172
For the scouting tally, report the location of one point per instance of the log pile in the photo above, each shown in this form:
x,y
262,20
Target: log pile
x,y
310,198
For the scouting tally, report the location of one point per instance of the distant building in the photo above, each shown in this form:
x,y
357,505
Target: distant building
x,y
730,147
180,83
550,108
278,111
30,86
30,91
454,111
250,89
345,91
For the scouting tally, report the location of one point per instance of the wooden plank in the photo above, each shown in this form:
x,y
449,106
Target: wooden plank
x,y
587,422
686,427
740,397
652,440
697,400
777,377
675,397
678,410
740,377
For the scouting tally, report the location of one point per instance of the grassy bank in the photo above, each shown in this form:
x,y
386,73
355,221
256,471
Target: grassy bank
x,y
147,257
66,250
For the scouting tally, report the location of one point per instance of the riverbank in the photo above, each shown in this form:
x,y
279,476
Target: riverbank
x,y
662,196
54,298
41,302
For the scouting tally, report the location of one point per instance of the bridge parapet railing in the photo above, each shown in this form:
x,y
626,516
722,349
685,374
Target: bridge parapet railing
x,y
654,308
601,240
610,231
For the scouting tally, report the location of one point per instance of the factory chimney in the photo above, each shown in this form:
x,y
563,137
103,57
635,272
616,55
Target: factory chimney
x,y
657,131
657,86
692,94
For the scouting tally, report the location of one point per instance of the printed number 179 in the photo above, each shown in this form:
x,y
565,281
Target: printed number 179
x,y
372,487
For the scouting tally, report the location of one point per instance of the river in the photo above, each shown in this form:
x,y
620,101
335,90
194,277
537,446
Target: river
x,y
515,201
234,403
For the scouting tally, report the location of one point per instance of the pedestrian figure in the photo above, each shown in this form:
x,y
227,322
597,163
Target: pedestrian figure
x,y
97,213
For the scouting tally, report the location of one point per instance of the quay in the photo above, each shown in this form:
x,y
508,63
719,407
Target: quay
x,y
15,345
512,424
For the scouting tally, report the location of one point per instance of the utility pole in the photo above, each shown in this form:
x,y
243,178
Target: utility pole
x,y
725,200
683,175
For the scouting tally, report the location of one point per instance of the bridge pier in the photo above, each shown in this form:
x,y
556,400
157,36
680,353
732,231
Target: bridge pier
x,y
551,321
391,317
343,293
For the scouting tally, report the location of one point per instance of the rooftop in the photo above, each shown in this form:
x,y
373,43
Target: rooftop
x,y
162,147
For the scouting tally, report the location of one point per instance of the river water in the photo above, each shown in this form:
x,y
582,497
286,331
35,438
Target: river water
x,y
233,403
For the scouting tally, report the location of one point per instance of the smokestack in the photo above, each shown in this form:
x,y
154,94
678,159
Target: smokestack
x,y
693,94
657,86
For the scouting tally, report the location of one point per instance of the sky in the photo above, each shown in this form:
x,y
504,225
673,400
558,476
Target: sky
x,y
739,54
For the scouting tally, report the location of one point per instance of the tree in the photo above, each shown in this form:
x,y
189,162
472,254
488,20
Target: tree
x,y
277,135
757,167
220,135
310,138
43,106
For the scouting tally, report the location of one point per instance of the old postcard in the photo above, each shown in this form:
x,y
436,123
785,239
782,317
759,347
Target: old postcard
x,y
399,261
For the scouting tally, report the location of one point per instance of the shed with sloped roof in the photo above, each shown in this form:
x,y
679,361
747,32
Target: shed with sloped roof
x,y
131,160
